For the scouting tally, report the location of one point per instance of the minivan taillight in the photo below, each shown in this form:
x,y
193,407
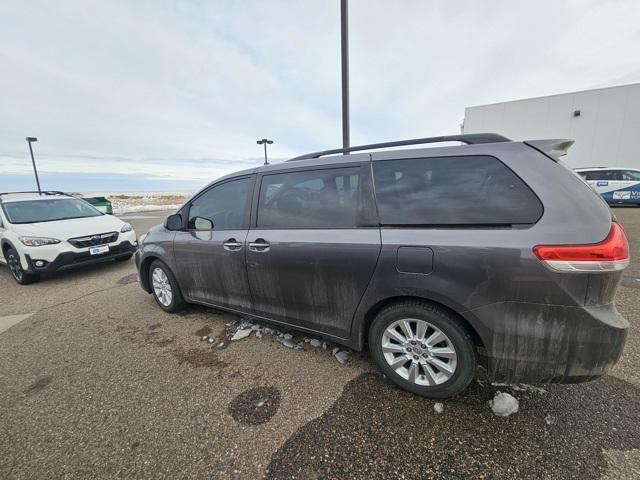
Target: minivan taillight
x,y
612,254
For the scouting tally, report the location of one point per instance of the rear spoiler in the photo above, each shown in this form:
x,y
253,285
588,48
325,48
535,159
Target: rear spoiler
x,y
551,148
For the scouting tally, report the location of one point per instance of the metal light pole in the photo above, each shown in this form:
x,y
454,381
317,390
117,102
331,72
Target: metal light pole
x,y
264,142
35,170
344,36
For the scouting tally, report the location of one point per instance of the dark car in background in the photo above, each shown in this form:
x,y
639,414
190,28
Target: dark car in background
x,y
437,259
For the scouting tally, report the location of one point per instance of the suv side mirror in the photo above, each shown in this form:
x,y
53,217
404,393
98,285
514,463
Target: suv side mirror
x,y
174,222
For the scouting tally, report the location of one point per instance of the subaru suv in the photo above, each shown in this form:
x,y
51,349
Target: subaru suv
x,y
440,259
44,232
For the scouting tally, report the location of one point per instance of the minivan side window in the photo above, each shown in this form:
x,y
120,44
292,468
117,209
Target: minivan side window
x,y
223,205
465,190
327,198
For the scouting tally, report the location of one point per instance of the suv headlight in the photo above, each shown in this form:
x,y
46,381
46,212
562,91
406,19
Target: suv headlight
x,y
38,241
126,228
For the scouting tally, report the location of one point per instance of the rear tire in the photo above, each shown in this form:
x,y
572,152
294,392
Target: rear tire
x,y
165,288
15,267
423,348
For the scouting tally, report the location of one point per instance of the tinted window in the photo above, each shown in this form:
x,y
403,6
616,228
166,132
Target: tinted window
x,y
631,175
310,199
224,205
452,191
609,175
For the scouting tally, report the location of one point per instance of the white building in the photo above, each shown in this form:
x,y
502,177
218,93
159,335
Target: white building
x,y
604,122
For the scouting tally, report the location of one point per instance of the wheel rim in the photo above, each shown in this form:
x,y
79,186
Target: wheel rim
x,y
162,287
419,352
15,267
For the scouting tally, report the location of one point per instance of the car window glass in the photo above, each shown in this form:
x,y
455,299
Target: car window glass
x,y
49,210
452,191
224,206
327,198
631,175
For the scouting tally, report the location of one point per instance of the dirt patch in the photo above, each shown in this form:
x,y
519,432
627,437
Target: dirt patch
x,y
197,358
40,384
255,406
204,331
155,326
164,342
127,279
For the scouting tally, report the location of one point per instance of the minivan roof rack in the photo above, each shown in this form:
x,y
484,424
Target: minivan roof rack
x,y
469,139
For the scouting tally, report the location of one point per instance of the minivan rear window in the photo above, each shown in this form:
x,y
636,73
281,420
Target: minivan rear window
x,y
459,190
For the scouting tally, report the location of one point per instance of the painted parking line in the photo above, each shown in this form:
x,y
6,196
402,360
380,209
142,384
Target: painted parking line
x,y
9,321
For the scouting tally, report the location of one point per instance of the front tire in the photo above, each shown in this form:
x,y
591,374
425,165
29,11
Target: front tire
x,y
15,267
423,348
165,288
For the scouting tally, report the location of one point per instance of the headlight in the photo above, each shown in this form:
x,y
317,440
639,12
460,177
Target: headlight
x,y
38,241
126,228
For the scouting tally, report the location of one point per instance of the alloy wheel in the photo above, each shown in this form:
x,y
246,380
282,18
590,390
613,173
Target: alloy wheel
x,y
162,287
15,267
419,352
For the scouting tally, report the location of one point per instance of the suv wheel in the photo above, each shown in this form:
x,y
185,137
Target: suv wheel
x,y
19,275
423,349
165,288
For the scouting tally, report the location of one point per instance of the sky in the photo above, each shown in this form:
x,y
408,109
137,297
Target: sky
x,y
168,95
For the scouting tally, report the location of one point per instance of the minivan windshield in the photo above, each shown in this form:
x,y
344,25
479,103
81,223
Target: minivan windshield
x,y
50,210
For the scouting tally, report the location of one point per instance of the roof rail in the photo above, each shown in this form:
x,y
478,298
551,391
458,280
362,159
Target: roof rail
x,y
469,139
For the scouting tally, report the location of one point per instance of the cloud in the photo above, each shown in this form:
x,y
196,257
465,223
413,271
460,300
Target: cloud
x,y
178,81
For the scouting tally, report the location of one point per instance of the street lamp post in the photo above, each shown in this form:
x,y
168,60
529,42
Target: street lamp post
x,y
35,170
344,43
264,142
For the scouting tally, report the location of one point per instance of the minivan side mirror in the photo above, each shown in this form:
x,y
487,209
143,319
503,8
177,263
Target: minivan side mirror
x,y
174,222
202,223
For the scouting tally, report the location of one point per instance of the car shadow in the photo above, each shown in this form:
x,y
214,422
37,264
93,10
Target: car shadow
x,y
375,430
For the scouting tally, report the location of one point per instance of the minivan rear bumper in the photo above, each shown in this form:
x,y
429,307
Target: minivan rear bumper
x,y
534,343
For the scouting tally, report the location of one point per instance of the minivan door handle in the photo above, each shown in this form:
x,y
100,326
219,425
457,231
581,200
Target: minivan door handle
x,y
260,245
231,245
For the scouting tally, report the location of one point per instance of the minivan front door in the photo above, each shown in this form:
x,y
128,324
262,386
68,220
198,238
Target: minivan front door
x,y
314,247
210,253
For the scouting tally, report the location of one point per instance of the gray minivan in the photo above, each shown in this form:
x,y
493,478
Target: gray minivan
x,y
440,259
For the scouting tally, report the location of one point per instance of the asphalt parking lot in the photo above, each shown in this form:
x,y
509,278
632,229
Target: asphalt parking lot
x,y
97,382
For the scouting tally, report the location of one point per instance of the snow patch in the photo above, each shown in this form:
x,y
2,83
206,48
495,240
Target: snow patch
x,y
438,407
241,333
342,356
504,404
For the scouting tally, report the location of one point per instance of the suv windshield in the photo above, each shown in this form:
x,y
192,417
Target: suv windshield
x,y
34,211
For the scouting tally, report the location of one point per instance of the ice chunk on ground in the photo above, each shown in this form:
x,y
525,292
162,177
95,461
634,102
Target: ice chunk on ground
x,y
288,343
287,336
438,407
259,334
504,404
206,337
334,351
256,327
550,420
261,402
242,333
210,340
314,342
342,356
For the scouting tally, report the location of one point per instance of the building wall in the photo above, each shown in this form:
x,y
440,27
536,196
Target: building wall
x,y
607,132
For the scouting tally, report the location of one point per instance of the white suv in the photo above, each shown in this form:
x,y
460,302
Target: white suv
x,y
50,231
